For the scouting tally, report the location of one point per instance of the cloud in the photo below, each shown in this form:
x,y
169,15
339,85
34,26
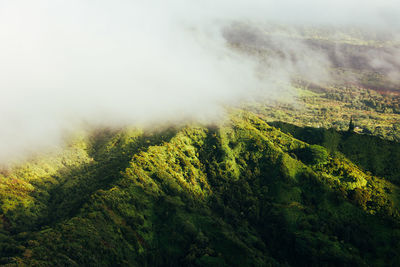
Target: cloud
x,y
122,62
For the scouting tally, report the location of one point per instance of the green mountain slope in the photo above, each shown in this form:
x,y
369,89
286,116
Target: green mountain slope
x,y
241,193
380,157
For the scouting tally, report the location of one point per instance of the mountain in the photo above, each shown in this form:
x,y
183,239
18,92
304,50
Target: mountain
x,y
238,193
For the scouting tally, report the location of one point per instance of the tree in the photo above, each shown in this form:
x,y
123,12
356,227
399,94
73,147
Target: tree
x,y
313,154
351,125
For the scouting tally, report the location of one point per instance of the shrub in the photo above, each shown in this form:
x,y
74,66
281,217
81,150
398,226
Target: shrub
x,y
313,154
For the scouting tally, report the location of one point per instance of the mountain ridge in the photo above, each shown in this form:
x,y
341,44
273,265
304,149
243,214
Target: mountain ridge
x,y
240,193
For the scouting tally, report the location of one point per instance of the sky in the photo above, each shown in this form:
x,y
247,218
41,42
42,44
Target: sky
x,y
126,62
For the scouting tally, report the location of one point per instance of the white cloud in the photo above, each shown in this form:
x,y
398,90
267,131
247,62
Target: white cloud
x,y
127,61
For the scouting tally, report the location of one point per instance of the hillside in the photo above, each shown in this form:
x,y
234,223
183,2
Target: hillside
x,y
240,193
351,85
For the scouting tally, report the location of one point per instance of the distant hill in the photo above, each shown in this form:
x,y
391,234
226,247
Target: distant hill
x,y
240,193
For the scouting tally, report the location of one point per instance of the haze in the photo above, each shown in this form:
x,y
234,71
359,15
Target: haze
x,y
127,62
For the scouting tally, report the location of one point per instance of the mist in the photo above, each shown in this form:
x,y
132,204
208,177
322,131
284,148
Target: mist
x,y
63,63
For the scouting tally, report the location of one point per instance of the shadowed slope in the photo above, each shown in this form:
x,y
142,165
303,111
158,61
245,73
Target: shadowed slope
x,y
236,194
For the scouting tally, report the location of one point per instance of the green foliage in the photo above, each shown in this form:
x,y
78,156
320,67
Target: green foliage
x,y
373,112
313,154
242,193
380,157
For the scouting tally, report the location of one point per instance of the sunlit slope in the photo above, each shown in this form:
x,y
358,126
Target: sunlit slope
x,y
378,156
241,193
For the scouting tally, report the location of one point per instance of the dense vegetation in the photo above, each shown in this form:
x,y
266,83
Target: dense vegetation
x,y
380,157
333,107
354,88
241,193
